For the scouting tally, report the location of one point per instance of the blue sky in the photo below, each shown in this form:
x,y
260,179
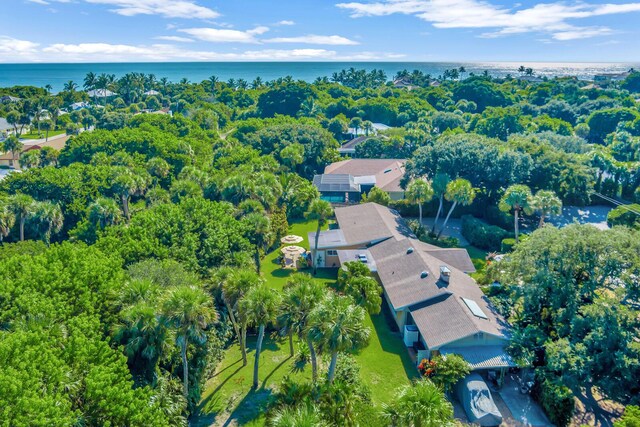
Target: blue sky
x,y
359,30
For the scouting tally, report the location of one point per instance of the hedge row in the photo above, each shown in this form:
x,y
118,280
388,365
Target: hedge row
x,y
482,235
625,215
556,400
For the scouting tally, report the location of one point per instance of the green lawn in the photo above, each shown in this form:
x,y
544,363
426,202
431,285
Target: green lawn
x,y
42,135
384,363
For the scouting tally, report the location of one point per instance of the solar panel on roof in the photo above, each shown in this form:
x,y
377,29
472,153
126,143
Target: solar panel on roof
x,y
475,308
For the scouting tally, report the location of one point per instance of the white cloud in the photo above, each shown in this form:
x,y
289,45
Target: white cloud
x,y
188,9
12,49
285,22
217,35
314,39
15,50
552,18
175,39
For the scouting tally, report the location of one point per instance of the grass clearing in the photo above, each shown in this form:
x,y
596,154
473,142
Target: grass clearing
x,y
227,398
42,134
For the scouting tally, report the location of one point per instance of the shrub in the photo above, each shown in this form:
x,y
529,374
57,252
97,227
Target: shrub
x,y
508,244
495,216
631,417
556,400
624,215
481,235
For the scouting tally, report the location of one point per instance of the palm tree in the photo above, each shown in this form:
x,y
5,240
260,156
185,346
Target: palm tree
x,y
189,311
297,416
104,212
220,278
521,69
422,404
419,191
440,181
48,88
90,81
145,335
22,207
365,292
321,211
257,83
12,145
234,288
47,125
125,185
355,123
546,203
172,405
7,221
260,227
213,80
301,295
259,307
517,198
337,325
50,216
459,192
309,108
70,86
367,127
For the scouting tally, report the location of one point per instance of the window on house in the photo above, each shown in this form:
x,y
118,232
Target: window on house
x,y
332,253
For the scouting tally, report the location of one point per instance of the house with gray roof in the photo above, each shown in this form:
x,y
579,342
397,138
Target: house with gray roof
x,y
437,306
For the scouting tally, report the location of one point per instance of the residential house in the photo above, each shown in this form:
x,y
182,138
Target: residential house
x,y
347,180
7,99
360,227
79,105
404,83
56,142
152,93
610,77
436,305
101,93
375,129
6,129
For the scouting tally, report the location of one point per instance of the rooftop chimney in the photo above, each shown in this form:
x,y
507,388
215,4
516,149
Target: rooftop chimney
x,y
445,273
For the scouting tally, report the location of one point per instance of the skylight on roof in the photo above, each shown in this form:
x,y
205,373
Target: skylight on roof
x,y
475,308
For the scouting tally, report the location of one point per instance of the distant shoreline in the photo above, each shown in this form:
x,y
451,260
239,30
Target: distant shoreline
x,y
56,74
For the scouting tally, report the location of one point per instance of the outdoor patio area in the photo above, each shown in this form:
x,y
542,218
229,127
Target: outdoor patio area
x,y
294,257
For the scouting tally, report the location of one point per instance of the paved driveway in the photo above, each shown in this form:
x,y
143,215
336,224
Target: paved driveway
x,y
454,228
524,410
594,215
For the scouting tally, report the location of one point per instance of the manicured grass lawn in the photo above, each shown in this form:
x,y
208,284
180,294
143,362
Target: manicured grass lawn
x,y
384,363
34,135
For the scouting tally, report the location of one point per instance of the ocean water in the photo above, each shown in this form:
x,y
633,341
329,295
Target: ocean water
x,y
57,74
